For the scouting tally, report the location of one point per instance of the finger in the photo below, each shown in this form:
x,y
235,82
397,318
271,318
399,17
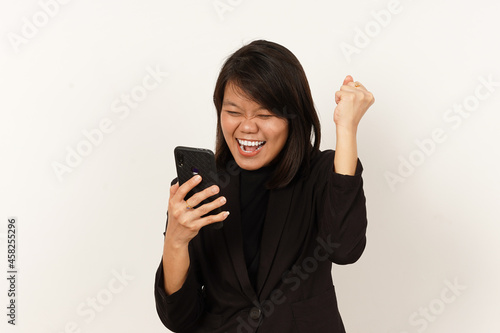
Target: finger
x,y
348,79
208,207
337,96
351,88
174,189
202,195
212,219
353,93
187,186
356,85
343,94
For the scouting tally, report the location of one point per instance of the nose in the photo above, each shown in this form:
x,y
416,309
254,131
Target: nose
x,y
249,125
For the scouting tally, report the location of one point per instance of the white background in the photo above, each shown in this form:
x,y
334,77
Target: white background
x,y
78,229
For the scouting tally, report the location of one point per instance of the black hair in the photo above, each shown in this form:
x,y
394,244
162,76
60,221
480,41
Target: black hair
x,y
272,76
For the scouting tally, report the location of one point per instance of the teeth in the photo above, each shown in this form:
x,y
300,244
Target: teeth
x,y
243,148
250,143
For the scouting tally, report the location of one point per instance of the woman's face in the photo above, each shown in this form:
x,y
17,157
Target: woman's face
x,y
253,134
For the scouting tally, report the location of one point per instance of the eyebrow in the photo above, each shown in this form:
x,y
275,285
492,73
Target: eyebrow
x,y
226,102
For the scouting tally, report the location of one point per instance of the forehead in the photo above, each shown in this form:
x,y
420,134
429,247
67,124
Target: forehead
x,y
233,90
235,96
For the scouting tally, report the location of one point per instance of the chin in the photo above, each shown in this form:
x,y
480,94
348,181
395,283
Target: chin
x,y
249,165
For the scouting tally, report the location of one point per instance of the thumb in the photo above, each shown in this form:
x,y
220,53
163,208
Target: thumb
x,y
174,188
348,79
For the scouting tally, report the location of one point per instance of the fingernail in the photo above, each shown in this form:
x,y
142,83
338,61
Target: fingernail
x,y
222,199
226,214
215,189
197,177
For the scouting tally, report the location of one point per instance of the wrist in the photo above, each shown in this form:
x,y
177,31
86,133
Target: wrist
x,y
343,131
172,245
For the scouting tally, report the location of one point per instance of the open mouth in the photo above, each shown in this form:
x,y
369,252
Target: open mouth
x,y
248,146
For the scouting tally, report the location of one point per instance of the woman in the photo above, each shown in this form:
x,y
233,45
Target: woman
x,y
294,209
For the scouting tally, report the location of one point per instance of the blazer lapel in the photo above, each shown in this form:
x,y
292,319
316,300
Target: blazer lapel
x,y
276,216
233,234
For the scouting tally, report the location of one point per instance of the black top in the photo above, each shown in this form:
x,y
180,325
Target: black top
x,y
253,203
318,218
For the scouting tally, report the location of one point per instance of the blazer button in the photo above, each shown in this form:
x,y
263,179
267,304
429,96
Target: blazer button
x,y
255,313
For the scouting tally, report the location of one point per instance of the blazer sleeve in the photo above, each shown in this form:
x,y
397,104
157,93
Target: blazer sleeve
x,y
342,213
181,310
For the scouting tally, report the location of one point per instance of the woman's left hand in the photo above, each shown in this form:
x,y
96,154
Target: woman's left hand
x,y
352,102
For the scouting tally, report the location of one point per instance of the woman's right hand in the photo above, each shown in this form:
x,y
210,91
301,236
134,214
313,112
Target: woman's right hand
x,y
184,223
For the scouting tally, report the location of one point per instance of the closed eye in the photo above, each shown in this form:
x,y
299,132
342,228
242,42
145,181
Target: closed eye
x,y
237,114
265,116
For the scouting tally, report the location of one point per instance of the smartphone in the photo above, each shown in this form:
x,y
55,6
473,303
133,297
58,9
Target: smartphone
x,y
191,161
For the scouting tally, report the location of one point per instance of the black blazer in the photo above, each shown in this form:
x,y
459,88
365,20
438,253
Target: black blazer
x,y
317,219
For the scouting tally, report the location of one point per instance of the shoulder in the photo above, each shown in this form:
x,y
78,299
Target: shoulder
x,y
321,161
322,156
316,166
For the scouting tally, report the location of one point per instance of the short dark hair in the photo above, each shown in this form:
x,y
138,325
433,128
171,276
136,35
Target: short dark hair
x,y
273,77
